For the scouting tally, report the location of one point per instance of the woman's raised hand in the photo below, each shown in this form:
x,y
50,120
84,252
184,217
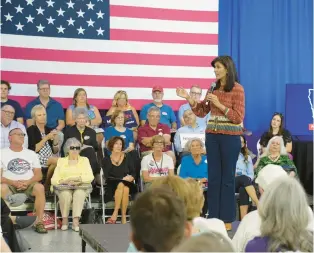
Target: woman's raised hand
x,y
181,92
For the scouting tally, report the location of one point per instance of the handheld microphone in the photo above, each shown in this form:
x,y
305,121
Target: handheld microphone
x,y
211,90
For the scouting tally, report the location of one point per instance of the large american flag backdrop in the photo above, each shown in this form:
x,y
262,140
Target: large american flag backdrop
x,y
105,46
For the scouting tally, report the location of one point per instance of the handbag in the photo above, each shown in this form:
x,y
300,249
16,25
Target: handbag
x,y
61,187
88,216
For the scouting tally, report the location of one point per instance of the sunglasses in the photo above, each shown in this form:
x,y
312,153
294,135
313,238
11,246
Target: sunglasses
x,y
279,114
75,148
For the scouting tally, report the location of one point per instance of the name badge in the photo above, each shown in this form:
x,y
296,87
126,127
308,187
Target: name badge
x,y
164,113
123,136
86,137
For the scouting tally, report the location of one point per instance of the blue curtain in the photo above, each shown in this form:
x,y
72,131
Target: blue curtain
x,y
271,42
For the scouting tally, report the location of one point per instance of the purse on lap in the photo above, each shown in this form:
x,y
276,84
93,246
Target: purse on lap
x,y
61,187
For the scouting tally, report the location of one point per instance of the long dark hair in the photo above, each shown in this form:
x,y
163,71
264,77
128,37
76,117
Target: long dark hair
x,y
232,75
270,130
76,92
244,150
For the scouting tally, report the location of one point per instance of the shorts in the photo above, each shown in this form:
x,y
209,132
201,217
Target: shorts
x,y
28,192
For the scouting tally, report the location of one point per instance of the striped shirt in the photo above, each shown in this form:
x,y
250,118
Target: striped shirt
x,y
219,123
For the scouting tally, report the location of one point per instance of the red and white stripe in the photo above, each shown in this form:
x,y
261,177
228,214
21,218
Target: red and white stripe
x,y
166,43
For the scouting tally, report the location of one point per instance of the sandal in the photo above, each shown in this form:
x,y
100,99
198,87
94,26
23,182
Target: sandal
x,y
111,221
40,228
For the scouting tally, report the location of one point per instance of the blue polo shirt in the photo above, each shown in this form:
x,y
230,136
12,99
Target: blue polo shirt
x,y
17,107
190,169
167,114
127,135
199,129
200,121
54,111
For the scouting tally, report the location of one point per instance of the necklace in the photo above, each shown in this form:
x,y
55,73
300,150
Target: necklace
x,y
116,162
274,158
158,169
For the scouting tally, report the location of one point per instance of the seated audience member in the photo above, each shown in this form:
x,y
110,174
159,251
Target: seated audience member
x,y
276,153
195,166
244,179
119,174
44,141
54,110
5,89
21,173
150,129
118,129
196,94
158,221
284,219
190,127
94,118
75,172
206,242
167,115
80,101
250,226
121,102
87,137
276,129
192,194
7,124
156,164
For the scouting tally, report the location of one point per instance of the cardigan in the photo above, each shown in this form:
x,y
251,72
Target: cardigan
x,y
34,137
219,123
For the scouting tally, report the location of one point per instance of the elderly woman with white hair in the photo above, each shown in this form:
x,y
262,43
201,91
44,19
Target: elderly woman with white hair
x,y
72,179
284,217
276,153
195,165
86,136
44,141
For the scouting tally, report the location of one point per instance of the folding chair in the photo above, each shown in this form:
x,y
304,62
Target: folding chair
x,y
109,205
88,202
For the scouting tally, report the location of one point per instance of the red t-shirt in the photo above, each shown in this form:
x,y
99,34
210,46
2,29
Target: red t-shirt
x,y
147,131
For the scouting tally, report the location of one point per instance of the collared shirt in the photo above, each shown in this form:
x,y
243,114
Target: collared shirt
x,y
54,111
147,131
200,121
190,169
187,130
5,134
244,167
167,115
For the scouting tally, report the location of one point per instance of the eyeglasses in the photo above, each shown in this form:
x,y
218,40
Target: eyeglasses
x,y
196,93
8,113
18,134
44,89
75,148
158,143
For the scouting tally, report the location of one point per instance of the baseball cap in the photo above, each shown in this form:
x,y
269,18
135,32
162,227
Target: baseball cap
x,y
158,88
269,174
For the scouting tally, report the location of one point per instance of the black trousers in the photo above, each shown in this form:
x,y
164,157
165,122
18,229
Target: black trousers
x,y
8,229
240,183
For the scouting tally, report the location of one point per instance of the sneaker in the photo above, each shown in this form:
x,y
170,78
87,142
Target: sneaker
x,y
17,199
40,228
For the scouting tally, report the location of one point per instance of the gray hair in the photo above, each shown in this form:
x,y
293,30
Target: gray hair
x,y
283,150
71,142
196,86
206,242
7,106
187,147
79,111
284,214
35,109
153,109
42,82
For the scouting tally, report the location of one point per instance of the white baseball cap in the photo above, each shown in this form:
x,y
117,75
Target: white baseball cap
x,y
269,174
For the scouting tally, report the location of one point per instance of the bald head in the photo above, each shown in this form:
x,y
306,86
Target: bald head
x,y
7,114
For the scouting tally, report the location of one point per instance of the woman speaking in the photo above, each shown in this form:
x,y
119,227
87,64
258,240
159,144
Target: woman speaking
x,y
226,102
